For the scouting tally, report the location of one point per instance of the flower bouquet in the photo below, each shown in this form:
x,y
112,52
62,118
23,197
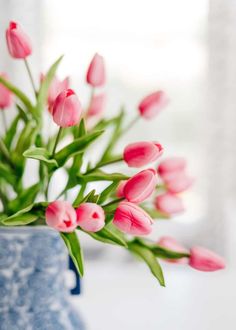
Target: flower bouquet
x,y
124,212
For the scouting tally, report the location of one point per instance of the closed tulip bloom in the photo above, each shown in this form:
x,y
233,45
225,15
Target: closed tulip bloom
x,y
205,260
142,153
18,42
96,106
90,217
131,219
61,216
169,204
120,189
171,244
140,186
67,109
179,183
5,94
152,104
96,71
172,165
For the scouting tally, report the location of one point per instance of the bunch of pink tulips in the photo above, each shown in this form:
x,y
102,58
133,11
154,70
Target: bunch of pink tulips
x,y
127,208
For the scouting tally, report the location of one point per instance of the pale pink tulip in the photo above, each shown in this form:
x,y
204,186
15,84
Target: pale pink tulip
x,y
179,183
67,109
205,260
90,217
61,216
142,153
172,165
120,189
152,104
170,243
18,42
96,71
5,94
96,106
131,219
140,186
169,204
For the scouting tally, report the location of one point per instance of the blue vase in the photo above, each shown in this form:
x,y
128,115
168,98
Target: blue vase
x,y
33,294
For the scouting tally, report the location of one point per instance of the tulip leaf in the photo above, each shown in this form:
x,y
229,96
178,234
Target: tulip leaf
x,y
107,192
99,175
73,245
11,132
110,235
7,174
150,259
76,147
40,154
26,197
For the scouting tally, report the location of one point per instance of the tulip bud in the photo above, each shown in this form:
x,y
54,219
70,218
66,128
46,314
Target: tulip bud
x,y
18,42
152,104
120,189
96,106
169,204
67,109
131,219
172,165
205,260
90,217
140,186
96,71
57,86
179,183
142,153
61,216
5,94
171,244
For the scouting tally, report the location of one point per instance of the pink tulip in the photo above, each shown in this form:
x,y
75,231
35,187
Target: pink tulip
x,y
96,106
140,186
142,153
120,189
57,86
179,183
90,217
61,216
131,219
18,42
5,94
67,109
171,166
152,104
169,204
205,260
171,244
96,71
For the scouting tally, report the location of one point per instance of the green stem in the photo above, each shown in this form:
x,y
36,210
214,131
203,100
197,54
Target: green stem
x,y
30,76
131,124
56,142
101,164
115,201
5,153
4,120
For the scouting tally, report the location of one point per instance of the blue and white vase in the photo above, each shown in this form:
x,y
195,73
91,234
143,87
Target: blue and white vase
x,y
33,293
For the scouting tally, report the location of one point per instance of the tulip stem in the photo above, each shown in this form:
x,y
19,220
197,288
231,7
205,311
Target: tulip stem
x,y
56,142
115,201
101,164
30,76
131,124
4,120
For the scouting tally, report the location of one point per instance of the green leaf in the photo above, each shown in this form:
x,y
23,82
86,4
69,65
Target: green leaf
x,y
19,94
11,132
90,197
26,138
76,147
7,174
149,258
110,235
107,192
40,154
72,242
43,91
99,175
26,198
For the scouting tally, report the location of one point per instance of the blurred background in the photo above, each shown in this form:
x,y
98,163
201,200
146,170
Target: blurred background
x,y
188,49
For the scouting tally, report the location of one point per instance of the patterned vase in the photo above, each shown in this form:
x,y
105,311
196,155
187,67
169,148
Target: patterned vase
x,y
33,294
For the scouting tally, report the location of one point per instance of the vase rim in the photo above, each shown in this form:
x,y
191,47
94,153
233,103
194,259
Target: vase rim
x,y
26,229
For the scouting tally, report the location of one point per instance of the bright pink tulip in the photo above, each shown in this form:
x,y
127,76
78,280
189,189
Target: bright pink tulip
x,y
120,189
131,219
171,166
5,94
57,86
169,204
140,186
142,153
152,104
179,183
61,216
67,109
90,217
205,260
96,71
18,42
171,244
96,106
